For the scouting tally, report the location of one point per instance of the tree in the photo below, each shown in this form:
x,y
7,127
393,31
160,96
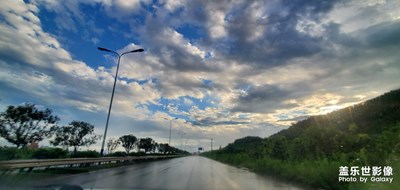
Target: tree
x,y
279,148
147,144
128,142
24,124
163,148
76,134
155,147
112,144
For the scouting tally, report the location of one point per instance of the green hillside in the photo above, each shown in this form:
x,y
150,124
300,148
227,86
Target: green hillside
x,y
311,151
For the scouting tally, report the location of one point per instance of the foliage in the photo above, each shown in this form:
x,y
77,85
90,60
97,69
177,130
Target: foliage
x,y
147,144
117,154
7,153
112,144
76,134
163,148
176,151
13,153
128,142
312,150
50,153
241,145
24,124
86,154
137,154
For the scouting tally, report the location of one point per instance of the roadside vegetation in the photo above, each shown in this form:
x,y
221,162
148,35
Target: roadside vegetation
x,y
26,125
312,151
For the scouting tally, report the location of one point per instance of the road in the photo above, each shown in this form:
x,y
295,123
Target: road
x,y
193,172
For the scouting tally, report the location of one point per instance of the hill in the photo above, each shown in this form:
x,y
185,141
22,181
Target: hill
x,y
311,151
371,116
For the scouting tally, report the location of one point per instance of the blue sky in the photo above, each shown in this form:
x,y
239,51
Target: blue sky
x,y
225,69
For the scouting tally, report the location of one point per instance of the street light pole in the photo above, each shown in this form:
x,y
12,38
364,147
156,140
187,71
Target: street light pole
x,y
112,94
170,123
181,134
211,144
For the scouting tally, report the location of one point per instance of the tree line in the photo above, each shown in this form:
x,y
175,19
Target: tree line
x,y
24,124
130,142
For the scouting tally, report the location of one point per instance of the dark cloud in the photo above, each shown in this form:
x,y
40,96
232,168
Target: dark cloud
x,y
311,7
267,98
361,58
187,85
382,35
279,41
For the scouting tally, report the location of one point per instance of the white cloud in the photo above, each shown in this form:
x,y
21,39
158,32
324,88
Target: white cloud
x,y
127,4
216,27
172,5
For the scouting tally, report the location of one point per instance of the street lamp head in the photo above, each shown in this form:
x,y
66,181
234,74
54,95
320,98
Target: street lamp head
x,y
137,50
103,49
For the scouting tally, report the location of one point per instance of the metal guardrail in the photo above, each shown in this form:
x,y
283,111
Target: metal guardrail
x,y
18,164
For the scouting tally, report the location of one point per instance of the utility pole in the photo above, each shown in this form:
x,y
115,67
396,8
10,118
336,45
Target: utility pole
x,y
181,134
170,124
211,143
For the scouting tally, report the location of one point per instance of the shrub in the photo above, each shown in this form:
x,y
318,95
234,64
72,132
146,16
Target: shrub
x,y
13,153
86,154
117,154
7,153
50,153
137,154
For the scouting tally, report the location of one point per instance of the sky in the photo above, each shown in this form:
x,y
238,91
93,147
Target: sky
x,y
225,69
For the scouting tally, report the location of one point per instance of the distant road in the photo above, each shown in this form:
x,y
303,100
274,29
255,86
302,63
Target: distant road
x,y
193,172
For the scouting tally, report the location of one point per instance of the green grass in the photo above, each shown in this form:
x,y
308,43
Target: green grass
x,y
313,173
321,173
394,162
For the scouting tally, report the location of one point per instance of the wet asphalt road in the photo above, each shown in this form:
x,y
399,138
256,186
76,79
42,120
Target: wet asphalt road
x,y
193,172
